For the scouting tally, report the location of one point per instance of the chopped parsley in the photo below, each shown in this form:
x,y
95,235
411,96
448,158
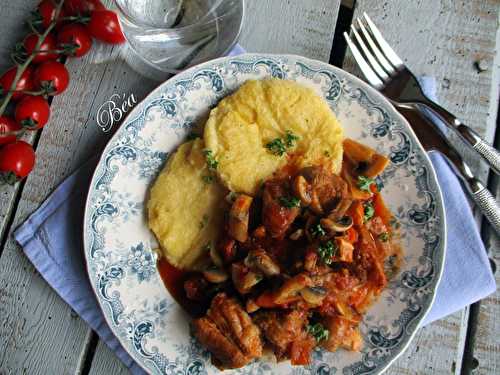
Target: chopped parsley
x,y
317,230
326,251
384,237
289,202
318,331
369,211
279,146
290,139
191,136
276,146
211,162
364,183
208,179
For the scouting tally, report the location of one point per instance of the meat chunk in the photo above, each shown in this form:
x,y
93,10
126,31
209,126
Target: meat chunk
x,y
226,352
282,328
343,334
327,187
229,333
239,216
275,216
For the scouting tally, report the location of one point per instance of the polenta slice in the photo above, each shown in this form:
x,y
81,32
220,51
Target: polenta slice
x,y
255,131
185,207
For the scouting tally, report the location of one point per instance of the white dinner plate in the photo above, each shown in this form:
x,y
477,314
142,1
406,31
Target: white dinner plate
x,y
121,264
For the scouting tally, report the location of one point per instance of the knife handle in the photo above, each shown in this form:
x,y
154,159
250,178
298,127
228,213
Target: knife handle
x,y
489,207
479,193
474,140
483,148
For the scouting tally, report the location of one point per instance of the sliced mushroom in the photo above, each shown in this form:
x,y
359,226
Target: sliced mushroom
x,y
313,295
315,203
259,260
216,257
243,278
340,209
345,250
301,189
215,275
291,288
238,217
340,225
297,234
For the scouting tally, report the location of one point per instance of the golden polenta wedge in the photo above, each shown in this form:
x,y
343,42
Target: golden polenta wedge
x,y
185,208
255,131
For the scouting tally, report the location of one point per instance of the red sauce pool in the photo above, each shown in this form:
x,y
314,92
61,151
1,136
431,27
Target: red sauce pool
x,y
174,278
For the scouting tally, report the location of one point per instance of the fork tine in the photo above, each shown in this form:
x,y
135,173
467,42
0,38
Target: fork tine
x,y
378,54
371,60
367,71
384,46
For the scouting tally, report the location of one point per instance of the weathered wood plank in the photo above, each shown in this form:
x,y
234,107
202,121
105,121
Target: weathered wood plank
x,y
294,26
13,28
487,342
442,39
37,331
106,362
270,26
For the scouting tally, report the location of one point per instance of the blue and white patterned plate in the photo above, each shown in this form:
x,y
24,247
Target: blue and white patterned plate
x,y
118,245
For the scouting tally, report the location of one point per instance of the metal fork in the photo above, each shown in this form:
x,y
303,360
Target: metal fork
x,y
385,71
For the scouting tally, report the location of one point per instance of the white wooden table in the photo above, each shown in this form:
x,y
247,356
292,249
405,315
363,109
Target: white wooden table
x,y
39,334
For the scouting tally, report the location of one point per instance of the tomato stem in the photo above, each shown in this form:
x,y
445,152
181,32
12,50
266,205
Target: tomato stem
x,y
78,18
22,67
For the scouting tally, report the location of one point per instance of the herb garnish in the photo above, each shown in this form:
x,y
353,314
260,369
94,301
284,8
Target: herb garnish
x,y
317,231
289,202
326,252
369,211
279,146
276,146
318,331
364,183
384,237
290,139
326,153
211,162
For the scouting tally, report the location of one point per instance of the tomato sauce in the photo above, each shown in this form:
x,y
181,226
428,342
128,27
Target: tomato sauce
x,y
174,278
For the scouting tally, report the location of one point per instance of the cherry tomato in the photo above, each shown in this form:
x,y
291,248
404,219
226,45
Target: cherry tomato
x,y
74,7
32,112
8,125
48,44
104,26
16,161
75,38
25,82
47,11
52,77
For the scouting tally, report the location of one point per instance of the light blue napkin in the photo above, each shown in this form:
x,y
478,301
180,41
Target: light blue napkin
x,y
51,238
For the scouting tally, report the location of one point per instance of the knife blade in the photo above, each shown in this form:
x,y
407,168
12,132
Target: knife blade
x,y
433,140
